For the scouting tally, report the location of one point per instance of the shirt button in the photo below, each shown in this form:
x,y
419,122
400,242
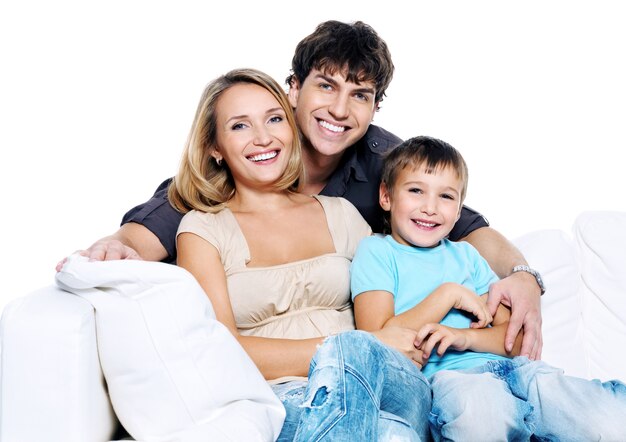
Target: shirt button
x,y
375,144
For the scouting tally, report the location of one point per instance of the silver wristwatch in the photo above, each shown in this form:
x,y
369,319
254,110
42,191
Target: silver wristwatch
x,y
535,273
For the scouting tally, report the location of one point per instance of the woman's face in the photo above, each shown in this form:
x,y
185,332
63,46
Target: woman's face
x,y
253,135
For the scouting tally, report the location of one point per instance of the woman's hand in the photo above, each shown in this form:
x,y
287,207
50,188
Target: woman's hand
x,y
403,340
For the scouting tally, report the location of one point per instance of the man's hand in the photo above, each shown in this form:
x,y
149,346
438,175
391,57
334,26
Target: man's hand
x,y
131,241
403,340
105,250
521,293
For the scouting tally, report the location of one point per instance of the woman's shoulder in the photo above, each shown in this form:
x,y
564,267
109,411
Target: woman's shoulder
x,y
196,221
338,204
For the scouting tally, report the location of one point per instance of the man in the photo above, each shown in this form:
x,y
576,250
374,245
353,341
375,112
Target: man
x,y
340,74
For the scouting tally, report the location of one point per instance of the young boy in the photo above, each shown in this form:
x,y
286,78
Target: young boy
x,y
416,278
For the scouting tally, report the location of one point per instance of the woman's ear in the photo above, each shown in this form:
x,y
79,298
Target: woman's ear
x,y
384,197
217,157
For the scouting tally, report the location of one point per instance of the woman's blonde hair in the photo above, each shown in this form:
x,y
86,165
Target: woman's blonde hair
x,y
203,184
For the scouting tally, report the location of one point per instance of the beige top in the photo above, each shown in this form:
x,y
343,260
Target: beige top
x,y
303,299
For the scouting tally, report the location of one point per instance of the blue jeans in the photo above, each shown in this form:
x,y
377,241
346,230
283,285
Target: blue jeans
x,y
513,399
358,390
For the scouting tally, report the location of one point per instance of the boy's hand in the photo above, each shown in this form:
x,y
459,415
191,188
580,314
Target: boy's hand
x,y
432,335
466,300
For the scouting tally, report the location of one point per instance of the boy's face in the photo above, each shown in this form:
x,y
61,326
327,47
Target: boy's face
x,y
424,206
332,114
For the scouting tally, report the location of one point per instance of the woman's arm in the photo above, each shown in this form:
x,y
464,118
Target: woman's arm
x,y
273,357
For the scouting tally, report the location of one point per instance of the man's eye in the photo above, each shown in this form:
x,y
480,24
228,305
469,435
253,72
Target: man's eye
x,y
325,86
361,97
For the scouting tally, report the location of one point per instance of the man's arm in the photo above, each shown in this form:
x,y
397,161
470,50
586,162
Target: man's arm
x,y
131,241
519,291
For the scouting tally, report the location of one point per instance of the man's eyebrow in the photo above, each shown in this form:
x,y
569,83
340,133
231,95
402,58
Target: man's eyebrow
x,y
363,90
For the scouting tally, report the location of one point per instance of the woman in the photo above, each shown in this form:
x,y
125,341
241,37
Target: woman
x,y
275,265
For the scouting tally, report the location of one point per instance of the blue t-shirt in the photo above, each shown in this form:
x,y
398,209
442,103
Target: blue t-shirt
x,y
410,274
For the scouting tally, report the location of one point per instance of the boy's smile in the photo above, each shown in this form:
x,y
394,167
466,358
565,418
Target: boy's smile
x,y
424,205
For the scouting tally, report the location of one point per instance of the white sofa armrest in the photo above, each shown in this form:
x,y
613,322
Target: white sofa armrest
x,y
51,384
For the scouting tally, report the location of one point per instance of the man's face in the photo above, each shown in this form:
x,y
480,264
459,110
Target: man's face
x,y
332,113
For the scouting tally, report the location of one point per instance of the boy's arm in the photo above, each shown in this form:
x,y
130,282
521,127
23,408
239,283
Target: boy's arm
x,y
374,310
487,340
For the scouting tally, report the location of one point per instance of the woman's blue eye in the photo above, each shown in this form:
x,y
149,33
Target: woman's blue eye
x,y
276,119
238,126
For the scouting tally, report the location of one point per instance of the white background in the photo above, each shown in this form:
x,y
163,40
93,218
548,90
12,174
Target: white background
x,y
96,99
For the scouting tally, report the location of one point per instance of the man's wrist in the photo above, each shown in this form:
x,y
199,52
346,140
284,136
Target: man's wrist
x,y
533,272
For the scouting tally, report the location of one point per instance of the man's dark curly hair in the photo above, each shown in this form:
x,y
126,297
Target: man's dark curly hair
x,y
335,46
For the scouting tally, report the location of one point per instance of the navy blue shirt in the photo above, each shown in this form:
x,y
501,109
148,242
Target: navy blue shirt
x,y
357,179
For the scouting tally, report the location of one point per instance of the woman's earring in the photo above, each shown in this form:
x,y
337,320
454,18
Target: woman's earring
x,y
219,162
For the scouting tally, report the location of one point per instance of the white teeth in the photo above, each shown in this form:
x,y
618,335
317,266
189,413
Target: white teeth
x,y
420,223
263,156
332,127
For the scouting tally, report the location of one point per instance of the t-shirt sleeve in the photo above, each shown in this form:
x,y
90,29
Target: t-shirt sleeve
x,y
158,216
205,225
469,221
372,268
482,274
357,227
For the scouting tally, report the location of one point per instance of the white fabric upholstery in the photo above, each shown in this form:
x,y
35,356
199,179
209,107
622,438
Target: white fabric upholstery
x,y
601,241
51,385
553,254
173,371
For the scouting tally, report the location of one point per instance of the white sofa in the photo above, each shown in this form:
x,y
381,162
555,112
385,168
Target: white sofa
x,y
52,387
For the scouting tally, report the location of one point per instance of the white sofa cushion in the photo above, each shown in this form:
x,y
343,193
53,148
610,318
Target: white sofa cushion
x,y
51,386
601,242
173,371
553,254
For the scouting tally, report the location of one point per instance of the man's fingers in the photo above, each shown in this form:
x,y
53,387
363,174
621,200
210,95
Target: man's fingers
x,y
535,352
493,301
515,325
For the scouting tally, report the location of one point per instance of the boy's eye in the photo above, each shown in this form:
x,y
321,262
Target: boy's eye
x,y
415,190
447,196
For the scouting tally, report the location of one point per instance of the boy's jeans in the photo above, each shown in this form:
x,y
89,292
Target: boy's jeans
x,y
358,390
513,399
